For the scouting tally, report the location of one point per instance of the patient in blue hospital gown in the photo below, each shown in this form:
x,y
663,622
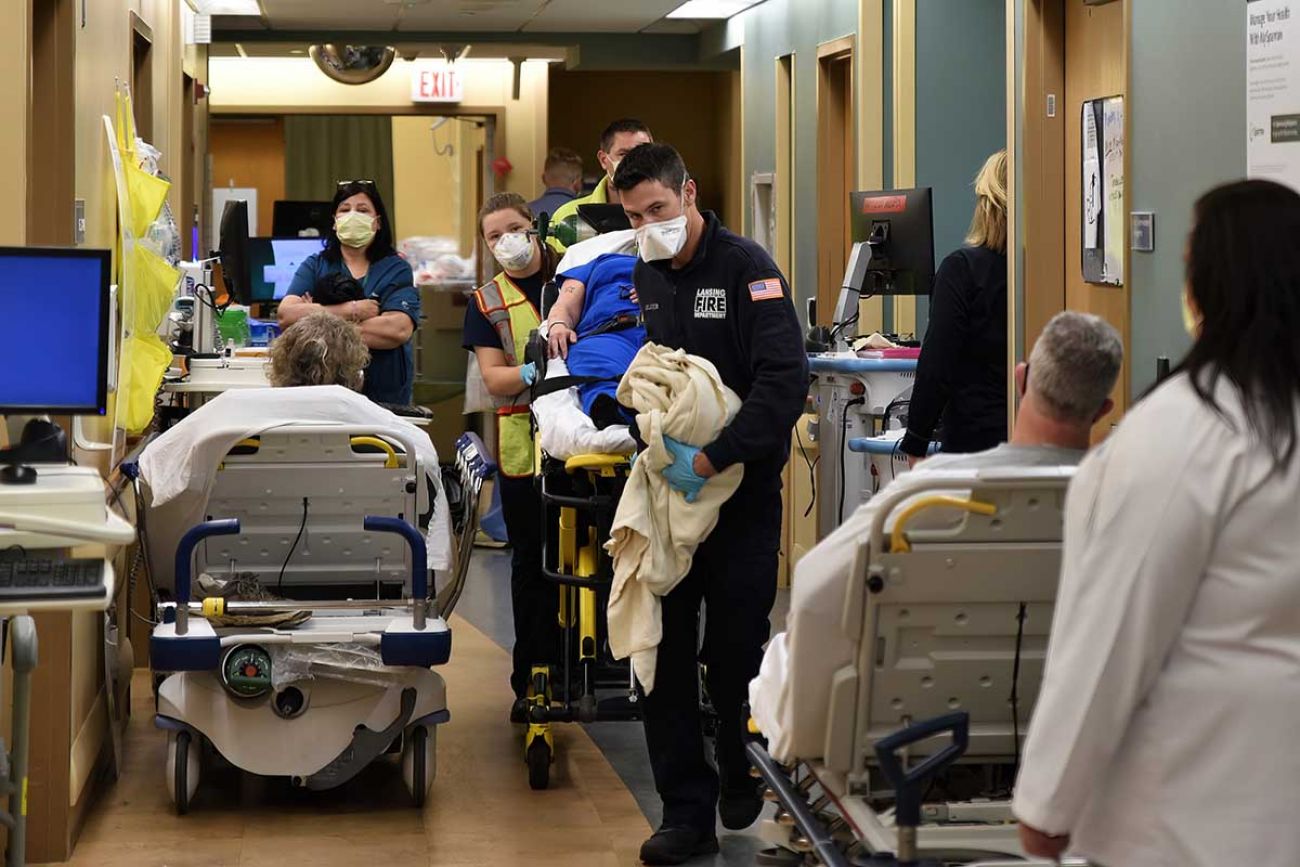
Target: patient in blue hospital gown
x,y
1064,389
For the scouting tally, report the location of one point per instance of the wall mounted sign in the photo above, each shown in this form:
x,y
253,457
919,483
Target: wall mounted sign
x,y
1103,191
437,81
1273,91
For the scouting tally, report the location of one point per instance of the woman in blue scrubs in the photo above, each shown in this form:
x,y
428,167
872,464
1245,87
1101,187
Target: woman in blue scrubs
x,y
359,277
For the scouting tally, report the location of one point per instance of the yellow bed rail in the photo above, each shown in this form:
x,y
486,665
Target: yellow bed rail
x,y
898,543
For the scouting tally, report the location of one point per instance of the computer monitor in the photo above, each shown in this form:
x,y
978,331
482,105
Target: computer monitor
x,y
234,251
272,263
54,339
899,229
292,219
604,218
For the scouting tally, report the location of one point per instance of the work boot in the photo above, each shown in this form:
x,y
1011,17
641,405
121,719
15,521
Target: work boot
x,y
677,845
519,710
739,807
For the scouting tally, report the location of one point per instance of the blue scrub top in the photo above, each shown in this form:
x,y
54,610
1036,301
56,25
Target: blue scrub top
x,y
608,279
390,377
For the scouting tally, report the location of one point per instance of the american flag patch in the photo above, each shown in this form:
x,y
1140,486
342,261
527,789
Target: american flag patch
x,y
766,290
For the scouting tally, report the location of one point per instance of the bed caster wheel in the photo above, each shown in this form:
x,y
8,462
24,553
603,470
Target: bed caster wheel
x,y
587,708
419,762
182,770
538,757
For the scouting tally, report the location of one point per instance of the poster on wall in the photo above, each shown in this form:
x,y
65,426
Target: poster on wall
x,y
1273,91
1103,190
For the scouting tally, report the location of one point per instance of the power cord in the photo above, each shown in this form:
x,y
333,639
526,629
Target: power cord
x,y
301,527
812,471
844,447
1015,683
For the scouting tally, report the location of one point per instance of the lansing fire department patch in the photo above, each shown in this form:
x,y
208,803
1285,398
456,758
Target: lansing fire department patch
x,y
766,290
710,304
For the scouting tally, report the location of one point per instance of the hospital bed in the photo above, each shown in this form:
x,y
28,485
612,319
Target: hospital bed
x,y
337,671
950,626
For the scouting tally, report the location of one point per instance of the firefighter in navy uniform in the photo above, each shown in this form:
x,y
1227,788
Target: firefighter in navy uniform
x,y
720,296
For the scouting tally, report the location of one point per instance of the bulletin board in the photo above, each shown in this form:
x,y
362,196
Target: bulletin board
x,y
1103,191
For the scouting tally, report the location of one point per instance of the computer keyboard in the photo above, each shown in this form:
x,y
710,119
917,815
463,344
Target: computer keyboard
x,y
407,410
51,579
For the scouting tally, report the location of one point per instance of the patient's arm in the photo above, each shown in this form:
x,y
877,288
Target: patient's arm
x,y
563,317
501,378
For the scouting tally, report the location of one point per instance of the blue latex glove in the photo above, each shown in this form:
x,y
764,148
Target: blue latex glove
x,y
681,473
528,373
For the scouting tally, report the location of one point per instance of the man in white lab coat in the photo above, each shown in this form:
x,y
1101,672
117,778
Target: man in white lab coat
x,y
1064,389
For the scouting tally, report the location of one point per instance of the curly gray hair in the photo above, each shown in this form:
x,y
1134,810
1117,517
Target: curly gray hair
x,y
318,349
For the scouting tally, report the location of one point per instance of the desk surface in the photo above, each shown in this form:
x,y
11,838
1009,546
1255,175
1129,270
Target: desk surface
x,y
185,386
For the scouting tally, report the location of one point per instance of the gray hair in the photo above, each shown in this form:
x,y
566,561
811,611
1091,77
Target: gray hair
x,y
1074,365
318,349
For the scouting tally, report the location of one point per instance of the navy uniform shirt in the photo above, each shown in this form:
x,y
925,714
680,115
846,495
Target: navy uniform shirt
x,y
390,282
731,305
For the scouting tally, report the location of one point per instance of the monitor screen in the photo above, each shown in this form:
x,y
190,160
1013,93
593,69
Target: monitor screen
x,y
301,219
274,261
53,330
903,264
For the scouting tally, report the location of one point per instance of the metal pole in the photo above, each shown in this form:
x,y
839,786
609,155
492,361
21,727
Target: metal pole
x,y
22,637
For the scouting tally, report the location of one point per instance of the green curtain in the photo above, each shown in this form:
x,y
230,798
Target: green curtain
x,y
320,151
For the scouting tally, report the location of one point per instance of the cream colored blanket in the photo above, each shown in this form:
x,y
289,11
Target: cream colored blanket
x,y
656,531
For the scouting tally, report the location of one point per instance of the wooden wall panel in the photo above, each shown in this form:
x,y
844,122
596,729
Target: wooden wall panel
x,y
249,152
1095,67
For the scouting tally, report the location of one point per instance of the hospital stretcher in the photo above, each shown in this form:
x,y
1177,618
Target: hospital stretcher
x,y
328,517
950,626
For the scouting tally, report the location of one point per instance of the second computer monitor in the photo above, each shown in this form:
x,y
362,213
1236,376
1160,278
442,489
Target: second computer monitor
x,y
54,339
273,262
900,225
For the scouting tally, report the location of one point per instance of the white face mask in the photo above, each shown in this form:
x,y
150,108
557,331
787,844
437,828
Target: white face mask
x,y
664,240
514,250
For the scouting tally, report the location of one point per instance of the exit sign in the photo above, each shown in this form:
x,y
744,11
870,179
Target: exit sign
x,y
436,81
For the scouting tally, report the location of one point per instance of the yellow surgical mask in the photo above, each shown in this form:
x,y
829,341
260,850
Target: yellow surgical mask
x,y
1191,322
355,228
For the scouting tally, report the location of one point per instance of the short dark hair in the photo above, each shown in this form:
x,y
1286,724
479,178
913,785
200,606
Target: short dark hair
x,y
382,246
623,124
564,163
651,162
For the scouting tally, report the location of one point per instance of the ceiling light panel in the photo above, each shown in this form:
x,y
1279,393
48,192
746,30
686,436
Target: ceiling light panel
x,y
711,8
583,16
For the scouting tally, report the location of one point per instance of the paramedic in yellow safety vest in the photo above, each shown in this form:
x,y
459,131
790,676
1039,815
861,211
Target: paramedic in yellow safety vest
x,y
501,315
615,142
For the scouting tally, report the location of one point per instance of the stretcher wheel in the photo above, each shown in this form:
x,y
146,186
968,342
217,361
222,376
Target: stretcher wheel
x,y
538,757
182,770
587,708
419,762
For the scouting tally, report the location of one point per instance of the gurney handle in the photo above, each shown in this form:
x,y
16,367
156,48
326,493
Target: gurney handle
x,y
419,559
908,785
185,555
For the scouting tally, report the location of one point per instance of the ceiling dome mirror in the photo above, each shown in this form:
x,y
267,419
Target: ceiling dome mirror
x,y
353,64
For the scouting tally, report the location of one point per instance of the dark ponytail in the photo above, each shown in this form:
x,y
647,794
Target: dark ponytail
x,y
1243,272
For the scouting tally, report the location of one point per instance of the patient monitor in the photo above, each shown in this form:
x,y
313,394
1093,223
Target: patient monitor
x,y
893,253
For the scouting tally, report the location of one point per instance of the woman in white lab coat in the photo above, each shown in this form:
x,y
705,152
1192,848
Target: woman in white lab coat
x,y
1165,732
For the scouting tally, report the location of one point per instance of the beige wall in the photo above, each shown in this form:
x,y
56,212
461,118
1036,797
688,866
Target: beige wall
x,y
426,185
290,85
14,65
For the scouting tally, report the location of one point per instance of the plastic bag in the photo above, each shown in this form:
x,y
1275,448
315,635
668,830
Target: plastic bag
x,y
477,396
355,663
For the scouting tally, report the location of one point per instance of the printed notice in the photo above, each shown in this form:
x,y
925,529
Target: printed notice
x,y
1273,91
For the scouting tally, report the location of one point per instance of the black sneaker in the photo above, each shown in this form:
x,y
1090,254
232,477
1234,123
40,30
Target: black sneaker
x,y
739,808
519,710
677,845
